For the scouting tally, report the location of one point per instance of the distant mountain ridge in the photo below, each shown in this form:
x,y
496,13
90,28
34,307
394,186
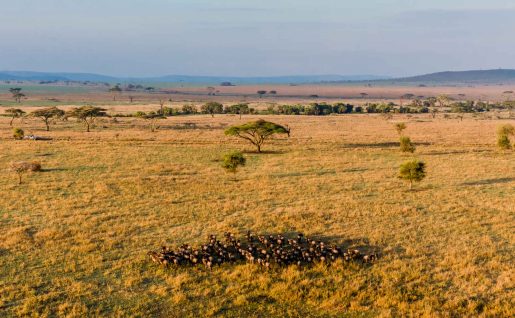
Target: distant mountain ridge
x,y
447,77
81,77
473,76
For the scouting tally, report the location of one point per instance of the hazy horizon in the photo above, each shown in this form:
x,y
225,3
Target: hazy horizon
x,y
138,38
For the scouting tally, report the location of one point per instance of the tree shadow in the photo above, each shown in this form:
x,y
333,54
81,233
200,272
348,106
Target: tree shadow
x,y
355,170
54,169
454,152
488,181
265,152
381,145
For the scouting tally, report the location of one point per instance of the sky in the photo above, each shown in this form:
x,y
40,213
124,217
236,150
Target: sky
x,y
256,38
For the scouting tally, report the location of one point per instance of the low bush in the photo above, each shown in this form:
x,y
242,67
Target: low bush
x,y
233,160
18,133
406,145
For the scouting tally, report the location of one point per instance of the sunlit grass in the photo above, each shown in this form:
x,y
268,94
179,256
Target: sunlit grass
x,y
73,238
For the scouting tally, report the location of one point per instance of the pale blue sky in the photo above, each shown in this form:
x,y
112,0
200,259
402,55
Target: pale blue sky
x,y
251,38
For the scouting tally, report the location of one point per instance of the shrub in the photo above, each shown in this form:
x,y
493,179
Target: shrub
x,y
503,133
406,145
506,129
412,171
233,160
503,142
18,133
400,127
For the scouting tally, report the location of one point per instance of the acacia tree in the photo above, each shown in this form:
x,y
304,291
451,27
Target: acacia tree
x,y
15,113
212,108
87,114
17,94
23,167
443,100
257,132
116,90
261,93
238,109
152,118
46,114
412,171
431,101
162,105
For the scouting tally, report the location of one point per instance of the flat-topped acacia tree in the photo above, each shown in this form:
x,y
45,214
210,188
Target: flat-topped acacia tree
x,y
257,132
17,94
87,114
48,113
14,113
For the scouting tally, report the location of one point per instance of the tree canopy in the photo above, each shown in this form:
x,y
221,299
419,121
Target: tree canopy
x,y
15,113
48,113
257,132
212,108
412,171
87,114
17,94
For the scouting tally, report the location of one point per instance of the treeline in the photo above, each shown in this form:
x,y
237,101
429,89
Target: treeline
x,y
321,109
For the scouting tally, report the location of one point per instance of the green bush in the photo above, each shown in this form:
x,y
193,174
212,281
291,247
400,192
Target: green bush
x,y
412,171
233,160
503,133
406,145
18,133
503,142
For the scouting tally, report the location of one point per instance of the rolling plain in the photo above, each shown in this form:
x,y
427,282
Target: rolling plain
x,y
74,237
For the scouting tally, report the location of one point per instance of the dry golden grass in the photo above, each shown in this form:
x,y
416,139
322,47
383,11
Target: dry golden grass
x,y
73,238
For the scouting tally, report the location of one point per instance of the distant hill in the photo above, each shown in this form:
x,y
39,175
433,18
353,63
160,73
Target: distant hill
x,y
459,77
476,76
214,80
44,76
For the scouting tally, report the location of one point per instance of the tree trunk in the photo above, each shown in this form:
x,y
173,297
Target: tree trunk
x,y
87,126
411,185
47,125
11,123
19,178
258,147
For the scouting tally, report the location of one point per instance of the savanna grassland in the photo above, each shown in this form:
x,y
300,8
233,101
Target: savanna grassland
x,y
74,237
